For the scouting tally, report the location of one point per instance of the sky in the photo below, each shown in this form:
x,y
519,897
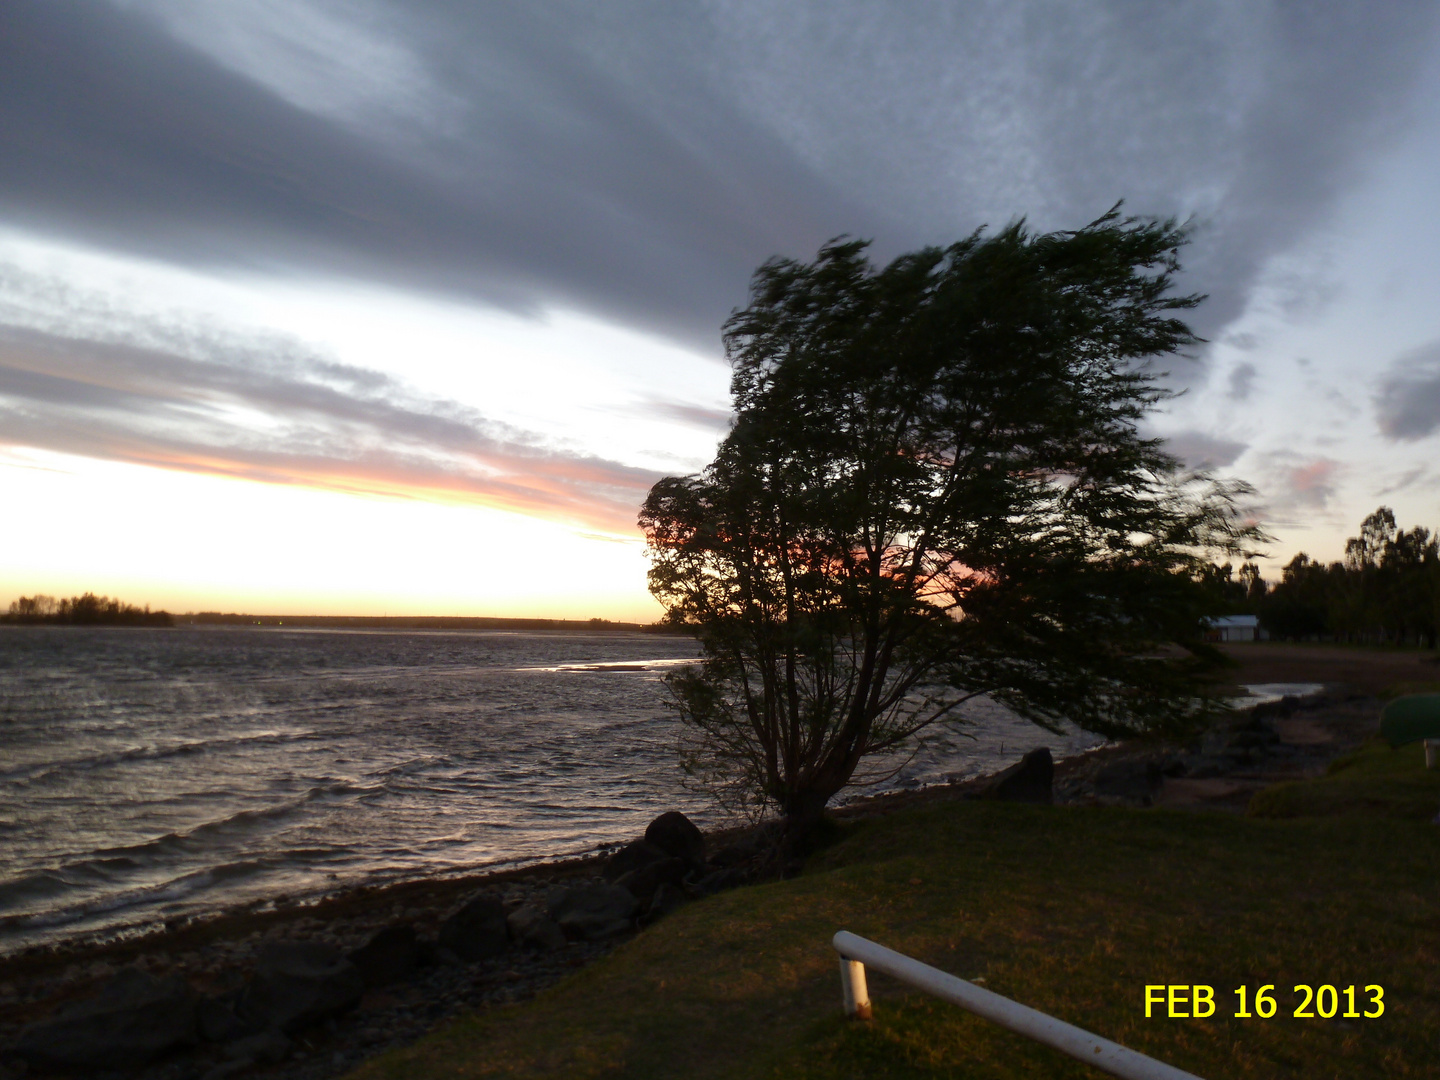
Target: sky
x,y
311,306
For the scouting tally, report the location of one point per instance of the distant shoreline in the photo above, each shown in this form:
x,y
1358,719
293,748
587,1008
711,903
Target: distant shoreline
x,y
366,622
414,622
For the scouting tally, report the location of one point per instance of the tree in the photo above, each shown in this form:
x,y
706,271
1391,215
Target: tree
x,y
933,489
1299,607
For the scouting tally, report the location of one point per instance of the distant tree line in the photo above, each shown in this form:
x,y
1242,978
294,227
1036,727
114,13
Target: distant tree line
x,y
87,610
406,622
1385,592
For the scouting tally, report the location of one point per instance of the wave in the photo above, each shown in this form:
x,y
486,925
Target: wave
x,y
52,885
27,774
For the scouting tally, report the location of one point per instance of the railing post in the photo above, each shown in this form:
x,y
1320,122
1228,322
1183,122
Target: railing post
x,y
852,985
1432,753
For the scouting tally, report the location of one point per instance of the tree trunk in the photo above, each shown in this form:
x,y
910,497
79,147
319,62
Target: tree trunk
x,y
806,826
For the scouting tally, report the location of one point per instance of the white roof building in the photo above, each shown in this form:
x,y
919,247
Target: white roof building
x,y
1234,628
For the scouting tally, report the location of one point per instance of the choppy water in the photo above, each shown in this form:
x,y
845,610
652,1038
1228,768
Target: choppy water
x,y
152,774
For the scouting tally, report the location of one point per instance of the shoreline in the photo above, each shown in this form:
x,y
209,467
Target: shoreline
x,y
208,952
123,940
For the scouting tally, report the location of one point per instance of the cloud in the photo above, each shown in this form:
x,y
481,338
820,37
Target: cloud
x,y
1297,489
639,160
555,181
1313,483
1241,381
701,416
1415,476
289,416
1199,450
631,160
1407,402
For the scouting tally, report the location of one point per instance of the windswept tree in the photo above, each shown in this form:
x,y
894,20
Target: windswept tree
x,y
934,488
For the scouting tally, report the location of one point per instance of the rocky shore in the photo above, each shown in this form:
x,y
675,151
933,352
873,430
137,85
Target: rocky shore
x,y
308,992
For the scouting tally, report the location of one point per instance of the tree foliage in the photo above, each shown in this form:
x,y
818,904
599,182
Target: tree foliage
x,y
934,488
87,610
1387,590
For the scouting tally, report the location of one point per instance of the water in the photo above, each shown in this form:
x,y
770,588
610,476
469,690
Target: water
x,y
155,774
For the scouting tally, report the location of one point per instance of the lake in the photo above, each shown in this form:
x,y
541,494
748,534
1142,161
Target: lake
x,y
160,774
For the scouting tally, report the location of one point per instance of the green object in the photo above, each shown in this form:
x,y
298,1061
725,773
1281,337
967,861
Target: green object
x,y
1412,717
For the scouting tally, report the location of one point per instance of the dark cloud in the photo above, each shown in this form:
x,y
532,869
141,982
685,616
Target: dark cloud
x,y
556,183
639,160
701,416
1407,403
630,159
291,417
1241,381
1198,450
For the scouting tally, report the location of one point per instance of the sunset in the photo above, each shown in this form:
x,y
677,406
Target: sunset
x,y
533,531
337,272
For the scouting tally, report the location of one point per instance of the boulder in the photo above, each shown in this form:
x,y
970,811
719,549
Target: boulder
x,y
677,836
532,926
643,882
1282,709
219,1023
1028,780
749,846
727,877
390,955
299,983
133,1018
265,1048
477,931
667,898
633,856
1131,780
592,912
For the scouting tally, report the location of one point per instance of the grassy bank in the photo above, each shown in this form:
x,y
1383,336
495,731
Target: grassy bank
x,y
1376,780
1072,911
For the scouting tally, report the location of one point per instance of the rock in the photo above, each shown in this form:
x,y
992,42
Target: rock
x,y
531,925
733,855
218,1021
390,955
266,1047
226,1069
643,882
446,958
633,856
298,983
133,1018
677,836
667,898
477,931
1281,709
592,912
1133,780
1028,780
1252,738
720,880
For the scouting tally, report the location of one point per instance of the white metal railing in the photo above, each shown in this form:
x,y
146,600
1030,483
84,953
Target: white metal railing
x,y
855,952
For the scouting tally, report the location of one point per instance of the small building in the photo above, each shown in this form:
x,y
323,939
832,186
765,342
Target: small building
x,y
1234,628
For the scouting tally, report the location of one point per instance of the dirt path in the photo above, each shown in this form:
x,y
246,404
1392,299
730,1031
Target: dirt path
x,y
1368,669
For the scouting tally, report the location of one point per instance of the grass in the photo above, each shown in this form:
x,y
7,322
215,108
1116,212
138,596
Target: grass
x,y
1071,910
1375,780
